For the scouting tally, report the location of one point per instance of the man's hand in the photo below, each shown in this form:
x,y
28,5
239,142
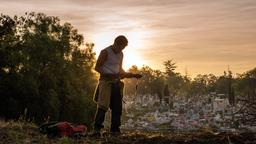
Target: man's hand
x,y
122,75
125,75
111,76
130,75
137,76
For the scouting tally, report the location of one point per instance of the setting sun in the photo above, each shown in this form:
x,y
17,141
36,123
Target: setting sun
x,y
131,57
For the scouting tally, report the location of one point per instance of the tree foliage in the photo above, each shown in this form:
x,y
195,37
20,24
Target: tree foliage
x,y
44,70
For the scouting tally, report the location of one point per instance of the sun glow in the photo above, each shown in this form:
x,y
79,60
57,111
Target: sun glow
x,y
132,55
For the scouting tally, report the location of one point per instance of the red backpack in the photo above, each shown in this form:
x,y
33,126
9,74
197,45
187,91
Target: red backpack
x,y
54,129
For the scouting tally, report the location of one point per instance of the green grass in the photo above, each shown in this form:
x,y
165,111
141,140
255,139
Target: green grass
x,y
20,132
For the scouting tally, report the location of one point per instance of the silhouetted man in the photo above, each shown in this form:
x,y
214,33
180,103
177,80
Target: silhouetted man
x,y
109,91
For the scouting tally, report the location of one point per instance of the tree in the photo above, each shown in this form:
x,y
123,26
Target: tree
x,y
44,70
152,82
170,67
173,79
246,85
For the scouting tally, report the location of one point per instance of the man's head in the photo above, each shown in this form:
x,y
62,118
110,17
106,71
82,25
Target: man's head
x,y
120,43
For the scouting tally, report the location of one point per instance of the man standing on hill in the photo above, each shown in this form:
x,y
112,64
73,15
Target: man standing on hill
x,y
109,91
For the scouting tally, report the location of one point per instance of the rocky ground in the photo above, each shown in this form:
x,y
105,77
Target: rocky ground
x,y
20,132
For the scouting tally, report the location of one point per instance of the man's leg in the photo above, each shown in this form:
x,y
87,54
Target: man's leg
x,y
116,108
99,119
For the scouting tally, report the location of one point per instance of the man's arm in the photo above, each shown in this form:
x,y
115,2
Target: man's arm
x,y
100,61
122,71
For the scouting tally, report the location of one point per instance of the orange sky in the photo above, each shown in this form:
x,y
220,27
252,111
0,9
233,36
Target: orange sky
x,y
202,36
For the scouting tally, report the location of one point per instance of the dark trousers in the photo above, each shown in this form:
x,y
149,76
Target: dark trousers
x,y
116,110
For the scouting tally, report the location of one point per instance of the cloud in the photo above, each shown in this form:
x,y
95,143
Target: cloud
x,y
191,31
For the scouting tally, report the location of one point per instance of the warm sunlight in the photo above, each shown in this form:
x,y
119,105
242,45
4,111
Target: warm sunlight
x,y
131,57
132,54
